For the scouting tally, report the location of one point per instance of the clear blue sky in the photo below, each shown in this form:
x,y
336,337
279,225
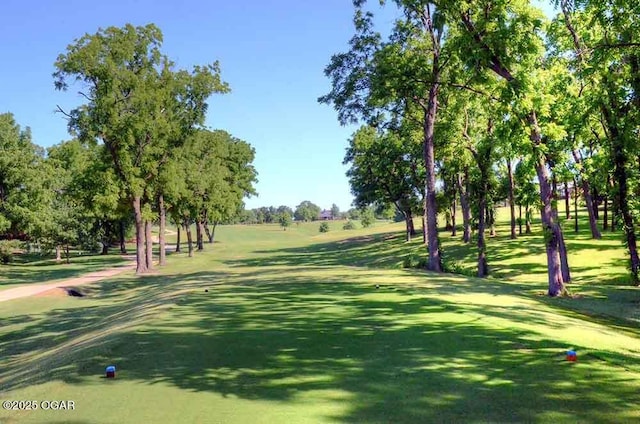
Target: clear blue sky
x,y
272,53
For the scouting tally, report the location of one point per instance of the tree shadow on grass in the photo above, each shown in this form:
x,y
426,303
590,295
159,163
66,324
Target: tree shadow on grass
x,y
46,271
394,354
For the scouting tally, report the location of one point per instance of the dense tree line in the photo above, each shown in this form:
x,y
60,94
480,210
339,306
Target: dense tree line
x,y
140,154
466,104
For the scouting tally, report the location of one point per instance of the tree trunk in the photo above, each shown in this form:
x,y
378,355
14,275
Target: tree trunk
x,y
512,206
209,234
187,228
567,207
492,221
58,253
605,220
412,228
554,195
620,172
213,232
552,231
464,205
519,220
163,227
123,243
106,238
149,240
575,204
594,204
592,210
435,262
453,217
199,235
67,253
141,262
483,269
564,259
407,226
605,214
178,238
424,228
527,220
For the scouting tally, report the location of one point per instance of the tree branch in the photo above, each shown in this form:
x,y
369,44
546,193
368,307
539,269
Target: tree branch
x,y
59,109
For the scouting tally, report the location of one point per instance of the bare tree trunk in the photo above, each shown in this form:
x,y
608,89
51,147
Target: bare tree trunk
x,y
492,222
213,232
58,253
67,253
605,220
163,228
424,228
149,240
123,244
575,204
141,262
614,208
595,203
435,262
187,228
106,238
519,220
453,217
552,231
412,229
209,233
567,207
464,205
483,268
554,194
512,206
620,164
199,235
592,209
527,220
605,214
178,238
564,259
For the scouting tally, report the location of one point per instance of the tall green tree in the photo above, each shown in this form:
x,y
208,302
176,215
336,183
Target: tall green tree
x,y
378,81
22,194
603,37
381,167
137,106
307,211
504,40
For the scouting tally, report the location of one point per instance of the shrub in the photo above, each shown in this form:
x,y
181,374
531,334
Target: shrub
x,y
349,225
415,260
367,218
324,227
6,250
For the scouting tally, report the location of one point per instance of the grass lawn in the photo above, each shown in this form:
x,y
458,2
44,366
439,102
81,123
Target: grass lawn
x,y
288,326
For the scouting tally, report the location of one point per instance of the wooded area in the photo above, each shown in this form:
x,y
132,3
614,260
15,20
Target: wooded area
x,y
470,103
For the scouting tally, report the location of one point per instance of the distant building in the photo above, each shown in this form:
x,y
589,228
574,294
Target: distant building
x,y
325,215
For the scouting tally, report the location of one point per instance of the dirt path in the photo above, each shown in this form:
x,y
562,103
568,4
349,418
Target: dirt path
x,y
34,289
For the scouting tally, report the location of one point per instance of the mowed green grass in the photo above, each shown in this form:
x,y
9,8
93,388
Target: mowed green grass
x,y
293,329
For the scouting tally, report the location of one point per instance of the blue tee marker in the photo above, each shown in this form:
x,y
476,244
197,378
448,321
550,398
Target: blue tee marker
x,y
111,371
